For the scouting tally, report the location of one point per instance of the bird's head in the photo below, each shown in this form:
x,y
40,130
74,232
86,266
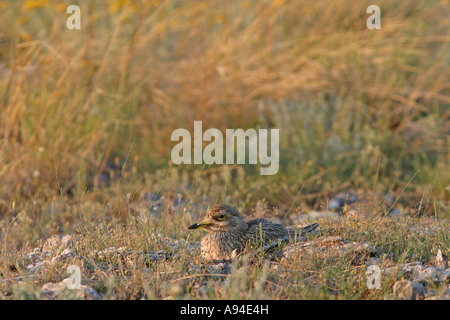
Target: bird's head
x,y
221,218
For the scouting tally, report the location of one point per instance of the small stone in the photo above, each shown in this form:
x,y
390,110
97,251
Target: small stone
x,y
431,293
67,240
176,291
409,290
219,268
157,256
90,293
60,289
49,290
38,266
437,298
427,275
441,260
444,275
394,213
203,291
66,254
373,260
57,243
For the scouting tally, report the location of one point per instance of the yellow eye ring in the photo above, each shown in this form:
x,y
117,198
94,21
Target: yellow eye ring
x,y
221,217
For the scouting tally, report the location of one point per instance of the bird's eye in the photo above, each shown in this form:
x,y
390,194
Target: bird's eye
x,y
221,217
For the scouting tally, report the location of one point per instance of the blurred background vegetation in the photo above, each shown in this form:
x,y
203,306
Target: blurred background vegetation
x,y
357,109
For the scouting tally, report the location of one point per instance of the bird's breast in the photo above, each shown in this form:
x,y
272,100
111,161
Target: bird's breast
x,y
220,245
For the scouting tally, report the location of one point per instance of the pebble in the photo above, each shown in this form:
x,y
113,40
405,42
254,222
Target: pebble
x,y
408,290
441,260
60,289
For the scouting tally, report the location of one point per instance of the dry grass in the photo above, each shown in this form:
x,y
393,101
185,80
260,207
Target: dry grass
x,y
351,101
86,117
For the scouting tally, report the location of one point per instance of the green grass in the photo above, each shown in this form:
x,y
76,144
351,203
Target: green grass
x,y
311,275
86,118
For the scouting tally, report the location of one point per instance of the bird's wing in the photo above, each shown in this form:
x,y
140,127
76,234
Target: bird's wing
x,y
293,236
256,222
265,230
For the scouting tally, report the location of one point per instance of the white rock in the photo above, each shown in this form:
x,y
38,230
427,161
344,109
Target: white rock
x,y
409,290
60,290
441,260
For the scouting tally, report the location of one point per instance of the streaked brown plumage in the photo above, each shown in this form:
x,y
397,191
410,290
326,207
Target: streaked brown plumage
x,y
228,232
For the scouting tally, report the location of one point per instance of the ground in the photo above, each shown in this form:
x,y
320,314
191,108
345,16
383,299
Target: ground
x,y
155,256
87,181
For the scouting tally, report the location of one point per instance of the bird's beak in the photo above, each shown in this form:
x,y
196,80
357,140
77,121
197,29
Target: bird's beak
x,y
200,225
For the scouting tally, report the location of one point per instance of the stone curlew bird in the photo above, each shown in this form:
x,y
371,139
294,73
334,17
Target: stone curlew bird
x,y
228,233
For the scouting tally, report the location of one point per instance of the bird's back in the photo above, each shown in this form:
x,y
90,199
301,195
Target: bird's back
x,y
262,230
